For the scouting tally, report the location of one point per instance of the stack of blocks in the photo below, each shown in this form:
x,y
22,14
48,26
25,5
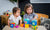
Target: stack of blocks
x,y
26,23
34,24
12,25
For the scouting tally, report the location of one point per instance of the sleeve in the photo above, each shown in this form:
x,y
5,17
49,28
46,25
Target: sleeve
x,y
20,17
23,18
10,17
35,15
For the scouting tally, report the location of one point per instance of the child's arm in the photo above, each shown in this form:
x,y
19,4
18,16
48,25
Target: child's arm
x,y
21,21
8,22
35,16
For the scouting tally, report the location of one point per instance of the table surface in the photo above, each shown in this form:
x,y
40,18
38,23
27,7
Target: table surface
x,y
22,28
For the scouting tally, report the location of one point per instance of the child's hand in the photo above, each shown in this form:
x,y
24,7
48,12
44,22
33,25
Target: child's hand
x,y
33,19
20,22
8,24
32,26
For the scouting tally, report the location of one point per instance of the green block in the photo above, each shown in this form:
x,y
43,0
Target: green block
x,y
15,24
34,27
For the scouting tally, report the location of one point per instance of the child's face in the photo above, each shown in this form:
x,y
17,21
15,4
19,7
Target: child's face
x,y
29,10
17,13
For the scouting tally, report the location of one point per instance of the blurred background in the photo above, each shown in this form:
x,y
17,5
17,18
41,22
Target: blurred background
x,y
40,6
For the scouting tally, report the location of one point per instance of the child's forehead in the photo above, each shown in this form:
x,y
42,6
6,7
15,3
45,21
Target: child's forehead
x,y
29,8
18,11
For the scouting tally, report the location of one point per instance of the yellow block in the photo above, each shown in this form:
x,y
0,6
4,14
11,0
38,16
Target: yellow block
x,y
26,25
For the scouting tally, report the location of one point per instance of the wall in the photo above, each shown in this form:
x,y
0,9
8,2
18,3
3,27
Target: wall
x,y
38,7
6,5
40,1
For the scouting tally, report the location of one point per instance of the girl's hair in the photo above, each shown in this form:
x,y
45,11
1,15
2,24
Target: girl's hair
x,y
27,6
15,9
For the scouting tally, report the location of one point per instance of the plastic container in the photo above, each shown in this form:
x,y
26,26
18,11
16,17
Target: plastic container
x,y
26,21
16,26
11,25
34,22
26,25
22,25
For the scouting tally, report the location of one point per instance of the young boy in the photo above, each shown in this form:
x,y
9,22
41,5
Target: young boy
x,y
15,17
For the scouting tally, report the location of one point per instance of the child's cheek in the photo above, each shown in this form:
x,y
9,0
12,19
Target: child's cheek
x,y
27,11
16,14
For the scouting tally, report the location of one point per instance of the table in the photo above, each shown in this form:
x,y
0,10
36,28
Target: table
x,y
22,28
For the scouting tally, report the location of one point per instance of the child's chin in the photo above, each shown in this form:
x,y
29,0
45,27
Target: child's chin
x,y
18,15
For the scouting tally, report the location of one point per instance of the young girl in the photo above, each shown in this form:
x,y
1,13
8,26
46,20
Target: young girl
x,y
29,13
15,17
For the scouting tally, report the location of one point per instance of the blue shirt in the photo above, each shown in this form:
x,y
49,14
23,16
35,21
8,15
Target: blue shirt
x,y
30,17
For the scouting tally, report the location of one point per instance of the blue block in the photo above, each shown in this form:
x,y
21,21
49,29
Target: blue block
x,y
30,23
34,22
26,21
11,25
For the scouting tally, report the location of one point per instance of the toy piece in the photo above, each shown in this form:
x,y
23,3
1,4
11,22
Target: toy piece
x,y
26,25
11,25
26,21
22,25
7,14
16,26
34,27
34,24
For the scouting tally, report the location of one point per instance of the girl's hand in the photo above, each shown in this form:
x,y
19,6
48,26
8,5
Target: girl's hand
x,y
32,26
33,19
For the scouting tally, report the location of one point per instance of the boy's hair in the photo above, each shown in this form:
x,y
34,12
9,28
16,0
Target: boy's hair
x,y
15,9
27,6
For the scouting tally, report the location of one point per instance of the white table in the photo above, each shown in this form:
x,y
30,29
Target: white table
x,y
22,28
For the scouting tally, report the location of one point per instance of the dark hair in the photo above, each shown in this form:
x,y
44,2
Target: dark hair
x,y
15,9
27,6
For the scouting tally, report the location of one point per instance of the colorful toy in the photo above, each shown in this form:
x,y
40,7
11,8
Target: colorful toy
x,y
22,25
16,26
26,23
34,24
12,25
